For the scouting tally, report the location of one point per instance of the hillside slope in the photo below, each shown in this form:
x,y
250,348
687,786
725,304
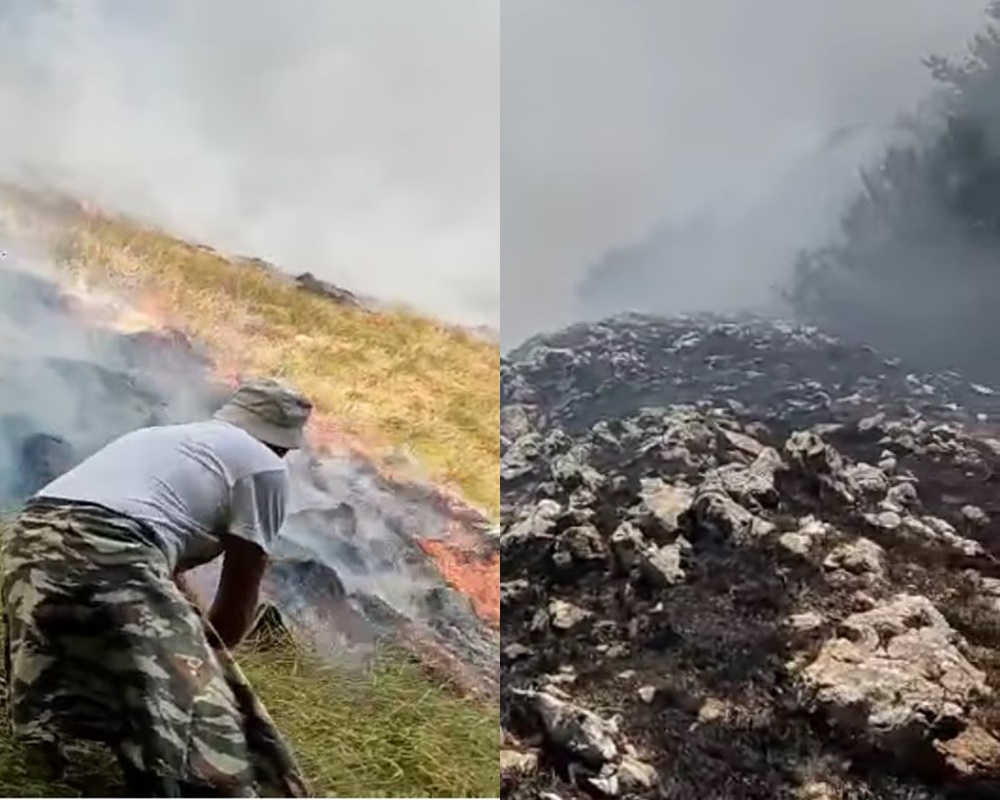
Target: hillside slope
x,y
743,560
399,727
390,378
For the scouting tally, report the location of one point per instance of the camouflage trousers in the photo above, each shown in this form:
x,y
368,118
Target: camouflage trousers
x,y
103,646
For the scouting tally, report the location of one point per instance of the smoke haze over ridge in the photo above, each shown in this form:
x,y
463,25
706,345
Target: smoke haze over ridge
x,y
738,124
408,150
354,140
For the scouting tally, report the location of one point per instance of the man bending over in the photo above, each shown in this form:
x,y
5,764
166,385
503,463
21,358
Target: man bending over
x,y
104,644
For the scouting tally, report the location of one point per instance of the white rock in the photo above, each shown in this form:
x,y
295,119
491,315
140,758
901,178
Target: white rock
x,y
975,515
662,565
796,543
635,774
862,557
894,673
902,495
608,785
579,732
565,616
647,694
515,762
667,503
806,621
887,520
866,479
517,651
712,710
817,790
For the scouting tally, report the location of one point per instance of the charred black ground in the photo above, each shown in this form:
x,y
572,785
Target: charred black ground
x,y
740,559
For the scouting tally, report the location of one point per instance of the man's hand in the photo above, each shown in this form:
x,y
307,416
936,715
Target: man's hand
x,y
235,606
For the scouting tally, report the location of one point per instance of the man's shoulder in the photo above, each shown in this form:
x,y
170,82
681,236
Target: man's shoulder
x,y
253,455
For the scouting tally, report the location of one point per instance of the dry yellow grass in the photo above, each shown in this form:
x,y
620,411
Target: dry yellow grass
x,y
388,732
394,378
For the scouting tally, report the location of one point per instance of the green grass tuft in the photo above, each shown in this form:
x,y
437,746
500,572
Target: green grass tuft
x,y
387,731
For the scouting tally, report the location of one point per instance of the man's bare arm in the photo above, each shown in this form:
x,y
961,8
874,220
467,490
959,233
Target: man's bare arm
x,y
181,579
235,606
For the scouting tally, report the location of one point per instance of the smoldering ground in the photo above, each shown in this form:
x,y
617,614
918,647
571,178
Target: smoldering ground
x,y
349,570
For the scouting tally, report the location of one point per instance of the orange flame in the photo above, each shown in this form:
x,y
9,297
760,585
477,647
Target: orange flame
x,y
470,571
459,558
101,307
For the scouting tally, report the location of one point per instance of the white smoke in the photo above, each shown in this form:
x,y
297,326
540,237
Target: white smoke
x,y
357,141
621,119
407,149
63,376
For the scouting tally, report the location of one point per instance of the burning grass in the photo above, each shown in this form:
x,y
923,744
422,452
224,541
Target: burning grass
x,y
474,574
392,378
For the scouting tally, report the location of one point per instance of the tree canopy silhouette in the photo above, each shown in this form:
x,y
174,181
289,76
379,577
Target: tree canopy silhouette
x,y
916,269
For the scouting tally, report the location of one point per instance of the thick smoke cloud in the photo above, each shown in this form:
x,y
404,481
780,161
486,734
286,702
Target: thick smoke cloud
x,y
738,125
355,140
409,149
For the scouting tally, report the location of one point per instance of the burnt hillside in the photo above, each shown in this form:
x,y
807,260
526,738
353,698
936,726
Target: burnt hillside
x,y
740,559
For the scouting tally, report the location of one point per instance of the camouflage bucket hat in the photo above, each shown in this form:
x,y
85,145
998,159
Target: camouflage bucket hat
x,y
269,411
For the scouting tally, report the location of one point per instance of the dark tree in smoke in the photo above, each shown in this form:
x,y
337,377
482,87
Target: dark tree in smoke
x,y
915,270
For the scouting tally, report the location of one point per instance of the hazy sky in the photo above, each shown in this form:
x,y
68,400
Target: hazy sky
x,y
437,150
356,139
619,114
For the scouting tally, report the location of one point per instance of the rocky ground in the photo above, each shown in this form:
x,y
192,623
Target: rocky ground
x,y
742,560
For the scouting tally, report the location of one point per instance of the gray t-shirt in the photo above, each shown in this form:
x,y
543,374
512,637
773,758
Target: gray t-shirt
x,y
189,483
